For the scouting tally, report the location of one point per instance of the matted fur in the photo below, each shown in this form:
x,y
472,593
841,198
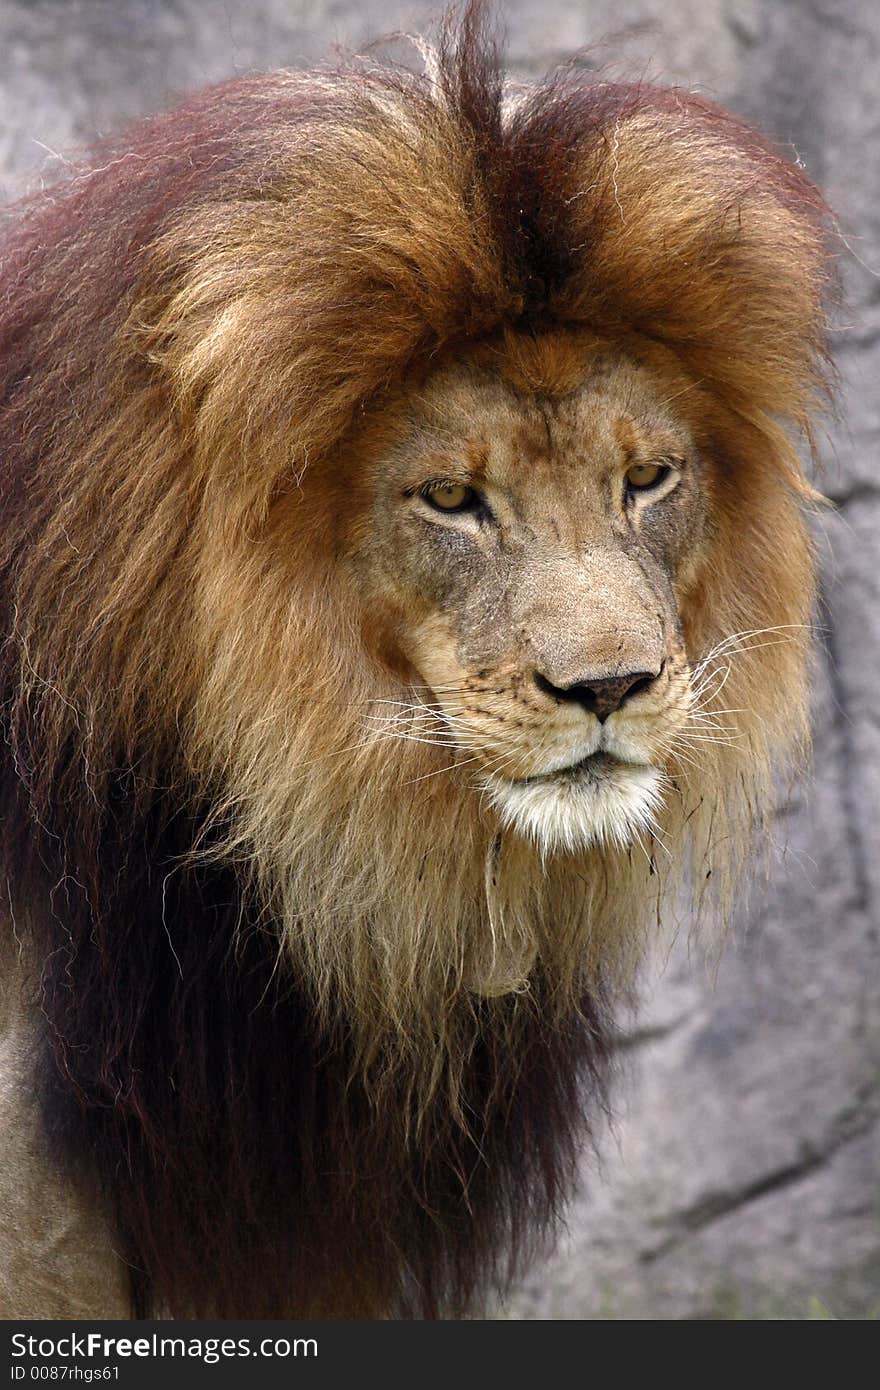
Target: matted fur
x,y
262,932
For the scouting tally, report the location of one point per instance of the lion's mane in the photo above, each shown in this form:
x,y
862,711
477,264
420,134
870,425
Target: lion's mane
x,y
254,929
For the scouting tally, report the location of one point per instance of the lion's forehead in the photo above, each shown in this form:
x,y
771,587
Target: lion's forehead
x,y
548,453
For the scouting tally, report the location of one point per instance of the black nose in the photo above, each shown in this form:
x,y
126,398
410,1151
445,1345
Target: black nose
x,y
600,697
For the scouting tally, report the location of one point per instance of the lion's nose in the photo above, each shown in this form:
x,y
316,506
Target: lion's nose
x,y
600,697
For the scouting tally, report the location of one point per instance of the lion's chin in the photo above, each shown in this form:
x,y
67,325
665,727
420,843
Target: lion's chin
x,y
598,802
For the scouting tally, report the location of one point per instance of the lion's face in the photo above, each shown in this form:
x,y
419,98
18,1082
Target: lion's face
x,y
533,520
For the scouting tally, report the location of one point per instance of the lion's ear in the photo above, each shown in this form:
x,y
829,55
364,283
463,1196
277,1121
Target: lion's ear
x,y
695,231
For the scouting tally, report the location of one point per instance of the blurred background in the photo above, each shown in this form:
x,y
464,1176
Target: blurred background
x,y
741,1175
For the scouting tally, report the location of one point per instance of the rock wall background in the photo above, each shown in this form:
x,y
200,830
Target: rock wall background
x,y
742,1175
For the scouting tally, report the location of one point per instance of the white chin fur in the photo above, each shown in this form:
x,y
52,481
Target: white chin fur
x,y
612,805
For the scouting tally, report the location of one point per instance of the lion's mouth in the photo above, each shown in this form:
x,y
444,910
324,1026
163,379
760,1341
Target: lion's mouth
x,y
595,767
598,800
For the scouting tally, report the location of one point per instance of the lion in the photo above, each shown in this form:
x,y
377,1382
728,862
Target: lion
x,y
407,588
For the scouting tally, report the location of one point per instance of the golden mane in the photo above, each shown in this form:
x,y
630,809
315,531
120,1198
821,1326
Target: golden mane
x,y
200,336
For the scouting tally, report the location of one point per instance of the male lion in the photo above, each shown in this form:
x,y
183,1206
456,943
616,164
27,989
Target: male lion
x,y
406,592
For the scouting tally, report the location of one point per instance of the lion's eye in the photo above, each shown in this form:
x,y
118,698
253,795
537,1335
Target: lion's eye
x,y
451,497
642,476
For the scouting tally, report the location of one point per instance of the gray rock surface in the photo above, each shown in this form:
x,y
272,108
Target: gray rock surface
x,y
742,1175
